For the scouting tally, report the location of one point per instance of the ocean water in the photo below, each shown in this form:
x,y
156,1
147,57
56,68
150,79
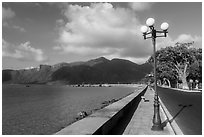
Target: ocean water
x,y
45,109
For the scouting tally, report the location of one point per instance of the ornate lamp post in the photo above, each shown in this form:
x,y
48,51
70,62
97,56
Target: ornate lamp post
x,y
150,32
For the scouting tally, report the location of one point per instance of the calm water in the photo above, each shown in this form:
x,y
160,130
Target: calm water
x,y
45,109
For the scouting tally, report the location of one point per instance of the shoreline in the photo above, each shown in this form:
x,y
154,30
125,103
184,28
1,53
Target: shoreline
x,y
104,104
68,113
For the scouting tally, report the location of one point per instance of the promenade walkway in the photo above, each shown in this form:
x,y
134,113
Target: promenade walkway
x,y
129,116
141,122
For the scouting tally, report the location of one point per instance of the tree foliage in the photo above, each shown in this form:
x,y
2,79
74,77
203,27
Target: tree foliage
x,y
179,63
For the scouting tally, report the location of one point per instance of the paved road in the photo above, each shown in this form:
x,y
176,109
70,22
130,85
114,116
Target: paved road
x,y
185,107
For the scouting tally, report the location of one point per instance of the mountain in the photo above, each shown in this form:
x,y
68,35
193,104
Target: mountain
x,y
100,70
42,74
96,61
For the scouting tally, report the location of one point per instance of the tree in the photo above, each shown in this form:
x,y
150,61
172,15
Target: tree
x,y
179,63
195,69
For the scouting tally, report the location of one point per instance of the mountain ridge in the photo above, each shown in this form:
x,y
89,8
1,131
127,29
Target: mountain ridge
x,y
99,70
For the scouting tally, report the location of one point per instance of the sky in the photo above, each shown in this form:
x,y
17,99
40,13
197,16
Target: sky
x,y
37,33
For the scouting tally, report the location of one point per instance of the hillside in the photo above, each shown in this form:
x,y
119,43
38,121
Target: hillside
x,y
100,70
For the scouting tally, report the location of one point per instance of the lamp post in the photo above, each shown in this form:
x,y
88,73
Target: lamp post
x,y
150,32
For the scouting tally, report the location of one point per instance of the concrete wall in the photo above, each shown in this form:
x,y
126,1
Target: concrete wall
x,y
103,121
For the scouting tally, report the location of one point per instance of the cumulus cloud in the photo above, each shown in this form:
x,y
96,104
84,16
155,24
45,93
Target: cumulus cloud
x,y
185,38
23,52
15,27
113,32
8,14
19,28
60,22
139,6
182,38
101,30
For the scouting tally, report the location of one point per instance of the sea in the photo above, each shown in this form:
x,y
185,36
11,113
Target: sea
x,y
46,109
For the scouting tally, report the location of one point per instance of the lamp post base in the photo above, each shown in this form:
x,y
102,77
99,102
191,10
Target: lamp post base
x,y
157,127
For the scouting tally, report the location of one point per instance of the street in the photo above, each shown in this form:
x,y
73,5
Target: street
x,y
185,108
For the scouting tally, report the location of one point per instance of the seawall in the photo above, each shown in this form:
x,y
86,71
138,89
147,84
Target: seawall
x,y
103,121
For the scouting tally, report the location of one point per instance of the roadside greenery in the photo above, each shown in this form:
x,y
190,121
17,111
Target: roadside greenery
x,y
178,64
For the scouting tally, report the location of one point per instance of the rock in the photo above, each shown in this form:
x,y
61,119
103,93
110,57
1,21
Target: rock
x,y
81,115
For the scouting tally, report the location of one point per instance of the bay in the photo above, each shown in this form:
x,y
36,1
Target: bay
x,y
45,109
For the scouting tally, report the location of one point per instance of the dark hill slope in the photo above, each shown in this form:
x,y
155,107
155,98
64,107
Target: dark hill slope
x,y
100,70
113,71
35,75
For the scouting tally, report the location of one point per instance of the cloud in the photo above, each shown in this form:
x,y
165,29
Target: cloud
x,y
60,22
101,30
7,13
21,29
24,52
15,27
140,6
185,38
37,4
182,38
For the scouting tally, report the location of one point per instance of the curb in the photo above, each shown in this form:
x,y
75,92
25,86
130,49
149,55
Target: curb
x,y
174,126
183,90
164,118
